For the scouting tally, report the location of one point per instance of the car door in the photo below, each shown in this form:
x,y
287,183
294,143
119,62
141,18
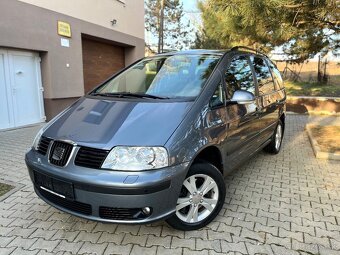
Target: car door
x,y
242,119
268,96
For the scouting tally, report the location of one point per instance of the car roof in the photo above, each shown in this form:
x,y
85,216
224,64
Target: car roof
x,y
214,52
194,52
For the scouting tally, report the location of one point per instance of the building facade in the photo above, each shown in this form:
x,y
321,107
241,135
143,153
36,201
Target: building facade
x,y
52,52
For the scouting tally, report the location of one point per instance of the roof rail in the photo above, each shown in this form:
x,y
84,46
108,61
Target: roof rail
x,y
248,49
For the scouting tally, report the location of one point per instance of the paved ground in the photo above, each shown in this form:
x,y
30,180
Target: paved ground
x,y
283,204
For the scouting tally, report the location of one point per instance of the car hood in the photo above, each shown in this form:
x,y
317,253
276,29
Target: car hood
x,y
104,124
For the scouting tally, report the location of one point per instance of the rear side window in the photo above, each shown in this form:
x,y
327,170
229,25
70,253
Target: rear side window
x,y
276,74
239,76
263,75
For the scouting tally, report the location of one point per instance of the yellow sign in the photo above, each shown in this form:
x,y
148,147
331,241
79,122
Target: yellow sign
x,y
64,29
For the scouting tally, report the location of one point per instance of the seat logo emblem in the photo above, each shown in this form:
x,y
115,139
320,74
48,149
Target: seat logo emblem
x,y
58,153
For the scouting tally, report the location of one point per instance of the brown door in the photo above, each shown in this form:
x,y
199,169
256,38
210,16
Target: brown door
x,y
100,61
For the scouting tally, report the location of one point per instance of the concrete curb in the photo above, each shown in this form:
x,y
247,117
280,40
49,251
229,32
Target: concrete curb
x,y
316,148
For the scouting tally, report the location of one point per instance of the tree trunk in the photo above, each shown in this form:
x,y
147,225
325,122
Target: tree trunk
x,y
161,29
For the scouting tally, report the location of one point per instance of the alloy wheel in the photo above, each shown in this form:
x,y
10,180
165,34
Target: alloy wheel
x,y
198,198
278,137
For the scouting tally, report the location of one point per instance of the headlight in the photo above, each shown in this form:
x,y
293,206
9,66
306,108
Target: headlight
x,y
136,158
37,139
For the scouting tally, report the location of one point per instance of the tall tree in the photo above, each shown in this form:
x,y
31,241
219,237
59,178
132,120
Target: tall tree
x,y
164,20
301,27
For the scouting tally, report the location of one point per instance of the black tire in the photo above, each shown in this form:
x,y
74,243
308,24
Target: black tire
x,y
272,147
206,169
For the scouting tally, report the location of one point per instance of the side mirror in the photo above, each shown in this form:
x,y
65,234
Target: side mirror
x,y
243,97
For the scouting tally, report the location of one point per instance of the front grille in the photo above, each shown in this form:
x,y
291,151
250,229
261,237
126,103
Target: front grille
x,y
60,153
43,145
121,213
74,206
90,157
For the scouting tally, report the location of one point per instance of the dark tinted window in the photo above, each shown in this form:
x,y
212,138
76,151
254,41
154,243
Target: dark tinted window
x,y
277,76
263,75
218,98
239,76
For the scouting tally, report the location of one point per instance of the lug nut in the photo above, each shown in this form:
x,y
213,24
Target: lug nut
x,y
201,200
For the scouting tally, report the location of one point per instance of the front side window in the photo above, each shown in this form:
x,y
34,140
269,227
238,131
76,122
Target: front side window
x,y
239,76
178,76
277,76
263,75
218,98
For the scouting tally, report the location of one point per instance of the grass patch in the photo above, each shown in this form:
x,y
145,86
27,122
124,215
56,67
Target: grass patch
x,y
327,137
312,89
4,188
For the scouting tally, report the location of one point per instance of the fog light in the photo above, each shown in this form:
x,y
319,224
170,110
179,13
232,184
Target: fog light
x,y
146,210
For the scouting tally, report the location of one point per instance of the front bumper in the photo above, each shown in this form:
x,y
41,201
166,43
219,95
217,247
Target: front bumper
x,y
118,192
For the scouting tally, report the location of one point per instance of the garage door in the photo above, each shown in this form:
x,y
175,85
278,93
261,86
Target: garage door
x,y
100,61
21,99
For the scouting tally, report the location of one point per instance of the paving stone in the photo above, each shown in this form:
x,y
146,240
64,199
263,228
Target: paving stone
x,y
87,237
289,234
235,247
129,229
118,249
273,203
266,229
208,245
24,243
92,248
214,235
147,230
21,251
281,250
164,241
165,251
4,240
324,241
253,235
105,227
259,249
335,244
230,229
286,242
44,245
200,233
303,229
68,247
23,232
137,250
65,235
111,238
7,250
191,252
183,243
43,233
309,248
327,251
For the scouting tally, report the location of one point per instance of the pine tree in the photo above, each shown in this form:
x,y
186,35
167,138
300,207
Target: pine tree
x,y
301,27
175,29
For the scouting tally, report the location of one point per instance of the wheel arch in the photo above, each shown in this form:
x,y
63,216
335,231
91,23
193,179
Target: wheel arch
x,y
211,154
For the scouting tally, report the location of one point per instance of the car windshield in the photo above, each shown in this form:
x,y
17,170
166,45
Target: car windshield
x,y
163,77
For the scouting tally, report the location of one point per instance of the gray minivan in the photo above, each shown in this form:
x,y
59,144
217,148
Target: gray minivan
x,y
155,140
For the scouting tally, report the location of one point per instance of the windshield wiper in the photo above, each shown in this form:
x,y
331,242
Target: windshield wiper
x,y
128,94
